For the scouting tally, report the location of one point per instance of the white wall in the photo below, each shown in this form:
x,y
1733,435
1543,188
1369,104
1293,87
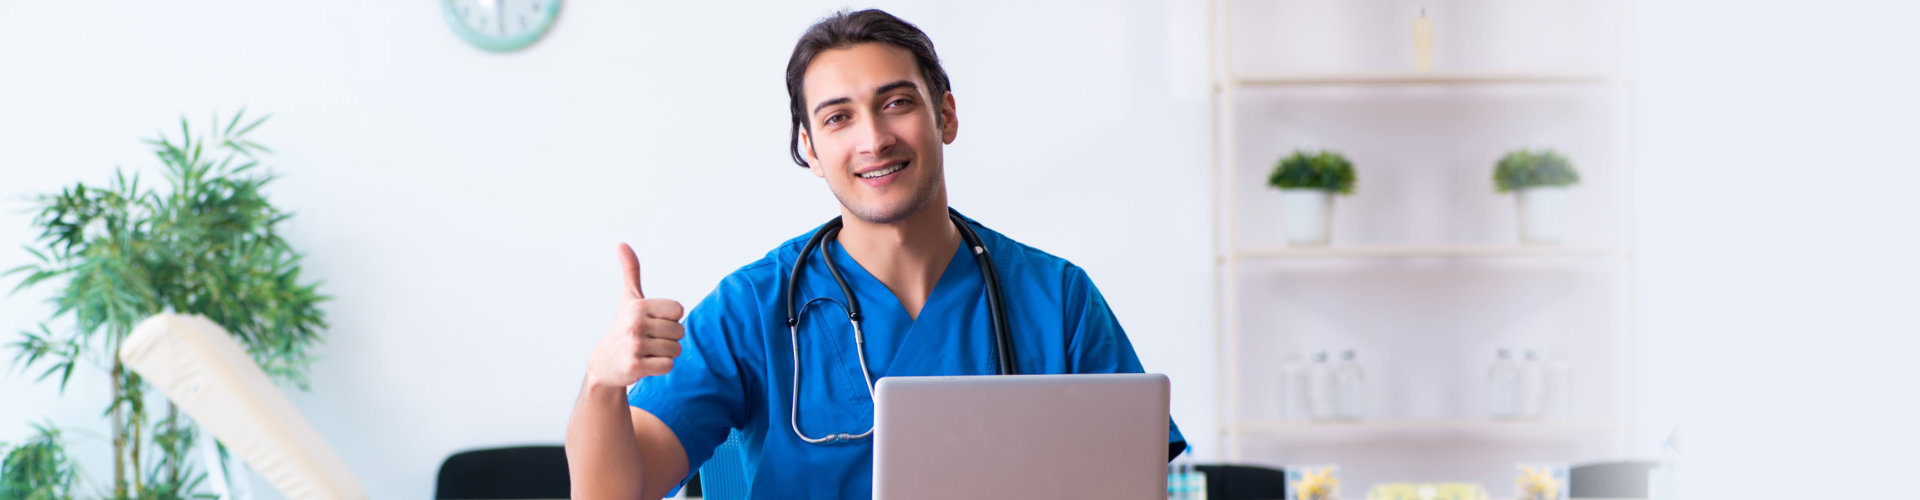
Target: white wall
x,y
463,206
1777,243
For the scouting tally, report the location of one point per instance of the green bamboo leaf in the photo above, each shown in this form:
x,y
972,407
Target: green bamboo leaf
x,y
236,120
250,126
66,375
23,350
49,372
32,279
21,269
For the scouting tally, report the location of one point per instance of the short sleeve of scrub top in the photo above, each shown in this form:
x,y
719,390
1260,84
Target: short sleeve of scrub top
x,y
705,396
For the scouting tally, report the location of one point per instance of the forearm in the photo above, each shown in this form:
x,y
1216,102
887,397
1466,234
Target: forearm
x,y
603,454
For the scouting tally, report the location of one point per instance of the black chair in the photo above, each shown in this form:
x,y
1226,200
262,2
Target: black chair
x,y
1609,480
504,473
1243,482
693,489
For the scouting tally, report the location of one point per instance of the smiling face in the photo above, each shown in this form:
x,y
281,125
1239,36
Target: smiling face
x,y
874,132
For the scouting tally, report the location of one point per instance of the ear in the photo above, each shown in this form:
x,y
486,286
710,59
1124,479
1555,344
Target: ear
x,y
950,124
813,158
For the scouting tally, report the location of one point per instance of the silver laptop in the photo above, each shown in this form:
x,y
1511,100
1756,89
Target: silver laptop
x,y
1021,436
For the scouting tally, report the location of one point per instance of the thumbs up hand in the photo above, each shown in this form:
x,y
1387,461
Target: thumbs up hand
x,y
644,338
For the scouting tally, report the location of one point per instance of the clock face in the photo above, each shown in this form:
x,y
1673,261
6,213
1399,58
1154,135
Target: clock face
x,y
500,25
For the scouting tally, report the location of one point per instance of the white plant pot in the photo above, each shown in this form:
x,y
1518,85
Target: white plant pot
x,y
1308,215
1543,214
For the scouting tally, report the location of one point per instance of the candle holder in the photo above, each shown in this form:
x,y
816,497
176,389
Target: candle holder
x,y
1423,42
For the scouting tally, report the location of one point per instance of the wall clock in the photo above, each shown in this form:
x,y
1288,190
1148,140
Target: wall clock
x,y
500,25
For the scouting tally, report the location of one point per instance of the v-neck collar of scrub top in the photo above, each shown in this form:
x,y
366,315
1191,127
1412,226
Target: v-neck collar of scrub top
x,y
891,333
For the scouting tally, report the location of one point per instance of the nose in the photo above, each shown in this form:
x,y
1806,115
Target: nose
x,y
876,139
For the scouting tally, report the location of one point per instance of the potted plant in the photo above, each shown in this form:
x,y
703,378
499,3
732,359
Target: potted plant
x,y
207,243
1539,180
38,468
1307,182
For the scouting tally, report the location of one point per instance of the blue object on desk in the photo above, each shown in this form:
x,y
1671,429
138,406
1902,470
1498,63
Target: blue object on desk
x,y
724,477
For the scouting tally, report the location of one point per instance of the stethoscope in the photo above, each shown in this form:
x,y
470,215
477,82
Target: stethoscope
x,y
1002,339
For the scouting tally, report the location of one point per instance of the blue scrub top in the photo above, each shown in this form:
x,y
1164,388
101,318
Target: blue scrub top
x,y
735,369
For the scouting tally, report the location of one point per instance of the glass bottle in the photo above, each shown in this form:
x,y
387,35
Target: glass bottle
x,y
1349,382
1320,388
1185,481
1533,384
1293,388
1503,385
1558,401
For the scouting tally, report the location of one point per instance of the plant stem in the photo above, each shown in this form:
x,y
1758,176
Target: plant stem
x,y
139,423
119,434
173,428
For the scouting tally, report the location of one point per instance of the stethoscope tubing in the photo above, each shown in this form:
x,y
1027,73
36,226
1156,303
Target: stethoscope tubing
x,y
996,309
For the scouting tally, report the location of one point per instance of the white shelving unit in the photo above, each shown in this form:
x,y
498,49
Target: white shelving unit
x,y
1249,264
1425,431
1413,78
1409,251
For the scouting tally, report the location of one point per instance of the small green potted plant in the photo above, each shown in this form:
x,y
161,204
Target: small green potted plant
x,y
1539,179
1307,181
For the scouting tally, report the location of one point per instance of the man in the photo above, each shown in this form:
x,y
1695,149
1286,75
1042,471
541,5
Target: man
x,y
871,113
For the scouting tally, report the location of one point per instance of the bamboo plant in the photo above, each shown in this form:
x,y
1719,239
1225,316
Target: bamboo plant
x,y
208,244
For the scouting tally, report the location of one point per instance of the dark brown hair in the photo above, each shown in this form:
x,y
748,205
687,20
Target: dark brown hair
x,y
845,29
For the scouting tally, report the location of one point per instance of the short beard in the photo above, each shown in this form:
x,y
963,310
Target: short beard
x,y
878,215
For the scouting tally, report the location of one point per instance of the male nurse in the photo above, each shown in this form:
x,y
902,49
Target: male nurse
x,y
872,113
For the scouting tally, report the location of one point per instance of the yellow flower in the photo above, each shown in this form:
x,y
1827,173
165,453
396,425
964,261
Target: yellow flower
x,y
1538,483
1316,485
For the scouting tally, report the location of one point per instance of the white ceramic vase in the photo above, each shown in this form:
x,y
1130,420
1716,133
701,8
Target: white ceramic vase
x,y
1308,215
1543,214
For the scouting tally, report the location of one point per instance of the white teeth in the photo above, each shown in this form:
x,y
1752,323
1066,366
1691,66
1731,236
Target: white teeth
x,y
883,172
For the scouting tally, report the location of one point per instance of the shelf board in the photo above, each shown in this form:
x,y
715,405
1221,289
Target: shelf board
x,y
1403,78
1433,250
1428,430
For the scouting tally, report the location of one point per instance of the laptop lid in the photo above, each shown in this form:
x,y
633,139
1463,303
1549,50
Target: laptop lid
x,y
1021,436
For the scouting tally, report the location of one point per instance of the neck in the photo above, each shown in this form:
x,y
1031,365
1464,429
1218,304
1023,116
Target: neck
x,y
906,255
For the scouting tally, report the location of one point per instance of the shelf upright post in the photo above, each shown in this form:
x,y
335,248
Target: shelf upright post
x,y
1626,262
1226,292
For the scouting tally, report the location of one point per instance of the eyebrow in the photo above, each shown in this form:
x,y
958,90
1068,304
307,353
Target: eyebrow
x,y
882,90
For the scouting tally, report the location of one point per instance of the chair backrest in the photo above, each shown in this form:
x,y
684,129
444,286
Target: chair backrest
x,y
724,477
524,472
1609,480
1243,482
